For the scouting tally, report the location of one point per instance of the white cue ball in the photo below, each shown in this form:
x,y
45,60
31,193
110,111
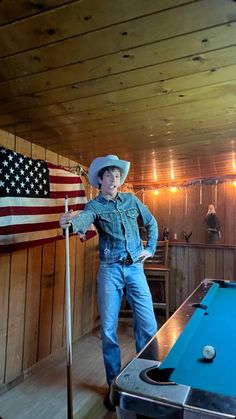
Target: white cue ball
x,y
209,352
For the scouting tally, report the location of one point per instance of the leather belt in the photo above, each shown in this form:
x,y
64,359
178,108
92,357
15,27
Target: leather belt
x,y
129,261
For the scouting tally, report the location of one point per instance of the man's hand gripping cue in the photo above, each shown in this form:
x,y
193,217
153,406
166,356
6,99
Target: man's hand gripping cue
x,y
65,221
66,218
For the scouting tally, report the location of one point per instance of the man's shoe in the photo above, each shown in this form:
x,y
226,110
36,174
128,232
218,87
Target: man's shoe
x,y
108,403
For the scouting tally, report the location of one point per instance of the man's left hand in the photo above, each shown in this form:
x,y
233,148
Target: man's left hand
x,y
144,255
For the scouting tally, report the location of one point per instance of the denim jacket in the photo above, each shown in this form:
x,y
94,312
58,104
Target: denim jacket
x,y
117,226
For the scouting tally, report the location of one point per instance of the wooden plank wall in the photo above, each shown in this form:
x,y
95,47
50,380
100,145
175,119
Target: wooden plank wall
x,y
190,264
32,289
185,210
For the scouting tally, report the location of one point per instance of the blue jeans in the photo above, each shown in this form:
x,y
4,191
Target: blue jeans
x,y
112,278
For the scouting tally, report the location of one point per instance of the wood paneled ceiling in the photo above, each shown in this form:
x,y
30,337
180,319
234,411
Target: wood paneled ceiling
x,y
153,81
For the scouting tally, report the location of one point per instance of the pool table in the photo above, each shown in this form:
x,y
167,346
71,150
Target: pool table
x,y
170,377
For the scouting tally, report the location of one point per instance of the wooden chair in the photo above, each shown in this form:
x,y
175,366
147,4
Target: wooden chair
x,y
157,272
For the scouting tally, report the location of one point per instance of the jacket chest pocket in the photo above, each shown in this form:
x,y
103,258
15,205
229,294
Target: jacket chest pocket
x,y
131,220
132,214
106,220
107,216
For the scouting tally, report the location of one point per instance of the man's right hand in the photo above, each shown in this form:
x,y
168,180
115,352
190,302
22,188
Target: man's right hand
x,y
65,219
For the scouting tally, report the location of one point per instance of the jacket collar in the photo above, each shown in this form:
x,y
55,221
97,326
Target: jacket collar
x,y
103,200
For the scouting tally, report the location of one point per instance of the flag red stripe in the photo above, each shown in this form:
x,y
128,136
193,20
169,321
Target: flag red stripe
x,y
64,179
6,211
25,228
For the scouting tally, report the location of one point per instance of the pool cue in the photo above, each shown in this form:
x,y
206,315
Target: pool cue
x,y
68,324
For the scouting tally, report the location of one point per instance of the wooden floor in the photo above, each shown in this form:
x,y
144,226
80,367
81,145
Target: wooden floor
x,y
42,395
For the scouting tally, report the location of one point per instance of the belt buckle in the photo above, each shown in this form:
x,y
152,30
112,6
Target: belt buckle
x,y
127,261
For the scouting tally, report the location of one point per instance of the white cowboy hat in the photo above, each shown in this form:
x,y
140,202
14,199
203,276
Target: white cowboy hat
x,y
101,162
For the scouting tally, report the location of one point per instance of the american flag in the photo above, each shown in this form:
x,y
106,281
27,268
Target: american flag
x,y
32,194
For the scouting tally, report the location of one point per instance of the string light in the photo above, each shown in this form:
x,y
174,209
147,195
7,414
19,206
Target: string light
x,y
216,193
79,170
200,192
186,201
179,186
233,161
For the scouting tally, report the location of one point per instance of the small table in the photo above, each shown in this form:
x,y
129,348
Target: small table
x,y
170,378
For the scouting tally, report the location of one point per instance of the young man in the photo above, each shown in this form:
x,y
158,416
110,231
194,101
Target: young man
x,y
121,257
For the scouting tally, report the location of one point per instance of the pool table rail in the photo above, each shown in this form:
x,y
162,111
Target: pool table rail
x,y
135,397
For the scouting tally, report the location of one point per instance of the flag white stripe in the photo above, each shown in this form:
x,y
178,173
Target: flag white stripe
x,y
61,172
27,237
65,187
28,219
